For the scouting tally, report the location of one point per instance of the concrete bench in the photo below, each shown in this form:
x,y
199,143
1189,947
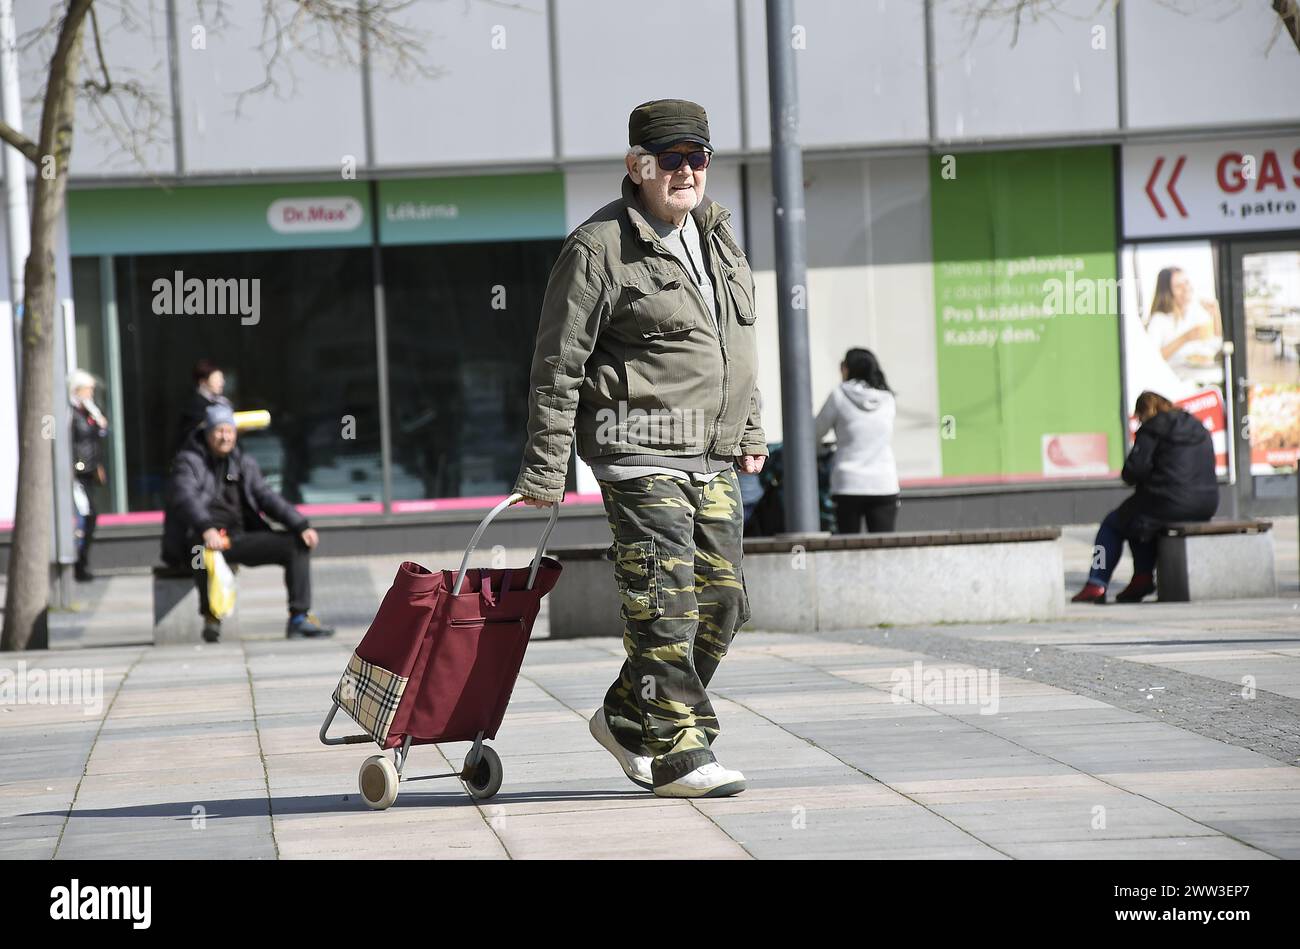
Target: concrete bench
x,y
852,580
1214,560
176,617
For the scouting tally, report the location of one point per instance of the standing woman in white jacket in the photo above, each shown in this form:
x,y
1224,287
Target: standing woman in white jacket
x,y
864,475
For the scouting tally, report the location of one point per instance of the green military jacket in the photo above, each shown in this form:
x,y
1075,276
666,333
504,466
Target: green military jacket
x,y
628,359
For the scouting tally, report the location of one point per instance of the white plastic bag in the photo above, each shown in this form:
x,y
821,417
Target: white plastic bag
x,y
79,499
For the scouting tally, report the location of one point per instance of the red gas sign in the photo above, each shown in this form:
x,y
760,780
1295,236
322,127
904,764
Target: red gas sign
x,y
1212,187
1169,186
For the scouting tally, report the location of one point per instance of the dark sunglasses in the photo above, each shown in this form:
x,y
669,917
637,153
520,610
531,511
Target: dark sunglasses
x,y
671,161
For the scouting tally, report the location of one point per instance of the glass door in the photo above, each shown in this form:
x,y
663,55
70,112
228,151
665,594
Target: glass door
x,y
1266,364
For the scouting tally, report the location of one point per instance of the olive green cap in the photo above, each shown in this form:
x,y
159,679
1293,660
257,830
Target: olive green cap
x,y
662,123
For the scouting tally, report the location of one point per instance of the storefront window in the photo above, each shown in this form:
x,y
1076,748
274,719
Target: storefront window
x,y
294,332
1271,286
462,319
92,356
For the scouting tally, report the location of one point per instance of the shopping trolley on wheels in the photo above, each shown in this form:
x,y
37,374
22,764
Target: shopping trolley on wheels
x,y
438,664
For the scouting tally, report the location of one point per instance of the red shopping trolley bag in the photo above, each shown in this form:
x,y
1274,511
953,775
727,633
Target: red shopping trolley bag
x,y
440,659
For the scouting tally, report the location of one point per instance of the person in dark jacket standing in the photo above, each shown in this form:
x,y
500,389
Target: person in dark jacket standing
x,y
216,498
89,429
1172,465
209,389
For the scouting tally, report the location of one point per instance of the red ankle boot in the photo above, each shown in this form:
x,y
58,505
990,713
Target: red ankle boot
x,y
1141,585
1091,593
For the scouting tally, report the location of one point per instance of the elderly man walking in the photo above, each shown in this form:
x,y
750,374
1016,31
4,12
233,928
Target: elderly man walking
x,y
646,353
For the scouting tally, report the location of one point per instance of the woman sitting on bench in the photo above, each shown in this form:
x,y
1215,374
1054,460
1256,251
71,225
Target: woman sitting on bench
x,y
1172,466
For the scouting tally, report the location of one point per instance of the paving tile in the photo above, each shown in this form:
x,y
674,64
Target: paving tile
x,y
205,751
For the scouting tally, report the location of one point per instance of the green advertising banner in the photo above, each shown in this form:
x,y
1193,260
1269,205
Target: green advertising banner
x,y
215,218
459,209
1026,304
153,220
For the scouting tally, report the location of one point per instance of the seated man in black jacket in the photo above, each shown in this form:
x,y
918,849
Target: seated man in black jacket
x,y
216,497
1172,465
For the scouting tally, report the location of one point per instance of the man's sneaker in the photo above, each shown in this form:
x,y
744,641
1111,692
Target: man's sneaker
x,y
708,780
636,767
211,630
307,626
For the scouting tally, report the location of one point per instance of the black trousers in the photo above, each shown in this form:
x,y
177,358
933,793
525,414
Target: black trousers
x,y
880,511
87,525
259,548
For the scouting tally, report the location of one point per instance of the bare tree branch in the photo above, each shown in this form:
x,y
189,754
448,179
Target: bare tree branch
x,y
272,48
130,115
331,32
20,141
107,85
977,12
130,111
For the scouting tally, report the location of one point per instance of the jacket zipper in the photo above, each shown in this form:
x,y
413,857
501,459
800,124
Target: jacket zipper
x,y
722,340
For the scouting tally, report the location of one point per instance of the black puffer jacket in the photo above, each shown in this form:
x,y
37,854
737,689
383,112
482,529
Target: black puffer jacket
x,y
1172,465
87,443
192,486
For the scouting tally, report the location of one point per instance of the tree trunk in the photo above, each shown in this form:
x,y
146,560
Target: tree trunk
x,y
27,597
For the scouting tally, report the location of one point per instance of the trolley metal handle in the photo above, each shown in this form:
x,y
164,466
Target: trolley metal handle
x,y
483,524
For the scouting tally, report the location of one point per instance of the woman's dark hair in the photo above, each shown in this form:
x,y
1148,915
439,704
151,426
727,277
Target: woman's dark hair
x,y
862,364
1152,403
204,368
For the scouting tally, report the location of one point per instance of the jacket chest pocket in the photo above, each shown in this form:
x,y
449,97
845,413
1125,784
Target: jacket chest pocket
x,y
661,307
741,283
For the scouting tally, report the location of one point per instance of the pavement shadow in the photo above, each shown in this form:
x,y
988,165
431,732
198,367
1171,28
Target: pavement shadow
x,y
229,808
534,797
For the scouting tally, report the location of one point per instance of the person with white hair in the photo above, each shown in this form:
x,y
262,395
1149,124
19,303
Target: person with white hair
x,y
646,355
89,429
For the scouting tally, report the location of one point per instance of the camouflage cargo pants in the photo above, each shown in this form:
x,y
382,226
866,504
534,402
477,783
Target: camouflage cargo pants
x,y
677,550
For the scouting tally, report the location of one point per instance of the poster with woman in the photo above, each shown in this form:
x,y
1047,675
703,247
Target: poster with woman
x,y
1173,331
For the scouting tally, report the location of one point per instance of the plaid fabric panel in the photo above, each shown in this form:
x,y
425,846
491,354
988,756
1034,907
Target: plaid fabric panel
x,y
370,695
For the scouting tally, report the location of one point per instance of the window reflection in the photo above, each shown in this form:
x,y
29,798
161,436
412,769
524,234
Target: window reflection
x,y
461,325
309,359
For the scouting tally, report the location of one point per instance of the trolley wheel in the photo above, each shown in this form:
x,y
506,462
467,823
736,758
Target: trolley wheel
x,y
485,778
378,782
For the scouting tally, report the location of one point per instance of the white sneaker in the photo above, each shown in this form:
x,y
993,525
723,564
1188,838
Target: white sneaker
x,y
636,767
708,780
